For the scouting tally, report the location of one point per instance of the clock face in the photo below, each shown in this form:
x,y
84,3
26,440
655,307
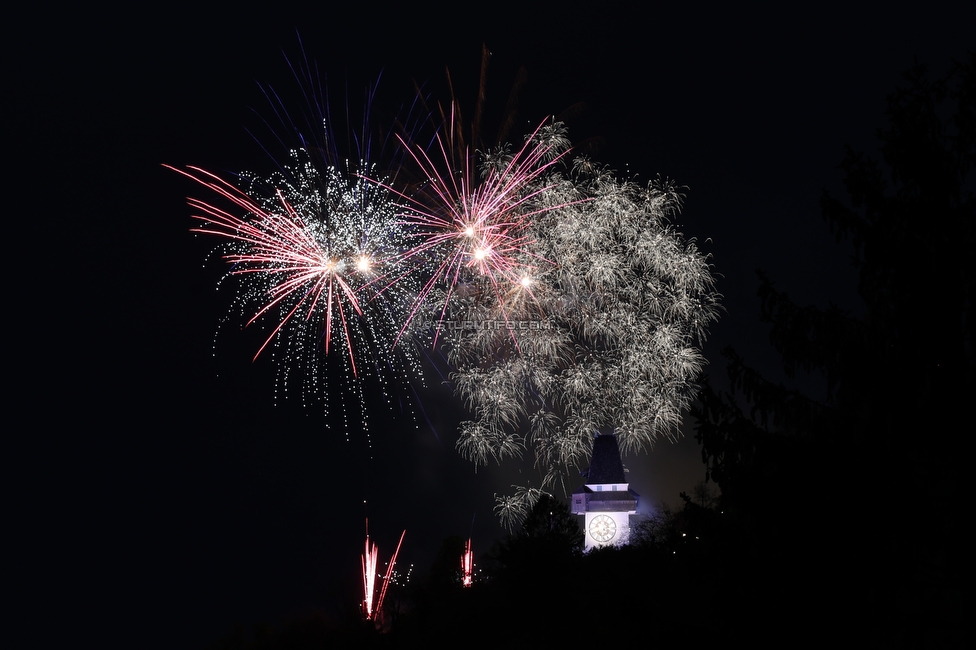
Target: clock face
x,y
603,528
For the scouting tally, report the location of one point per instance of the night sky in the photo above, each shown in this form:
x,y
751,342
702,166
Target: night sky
x,y
162,493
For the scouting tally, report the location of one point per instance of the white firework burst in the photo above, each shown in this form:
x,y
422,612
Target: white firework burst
x,y
603,335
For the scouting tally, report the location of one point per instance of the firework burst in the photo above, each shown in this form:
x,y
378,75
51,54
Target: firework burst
x,y
309,245
462,227
605,338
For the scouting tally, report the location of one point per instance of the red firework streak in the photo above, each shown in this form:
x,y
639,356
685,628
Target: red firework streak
x,y
467,565
374,611
482,228
282,247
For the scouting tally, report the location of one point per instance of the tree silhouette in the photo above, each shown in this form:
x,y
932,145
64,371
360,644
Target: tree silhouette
x,y
549,541
883,445
445,572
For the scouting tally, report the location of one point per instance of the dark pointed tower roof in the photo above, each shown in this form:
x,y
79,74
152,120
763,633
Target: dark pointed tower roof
x,y
605,464
606,468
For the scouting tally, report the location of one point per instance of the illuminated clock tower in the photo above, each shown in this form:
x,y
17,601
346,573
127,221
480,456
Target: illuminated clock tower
x,y
605,500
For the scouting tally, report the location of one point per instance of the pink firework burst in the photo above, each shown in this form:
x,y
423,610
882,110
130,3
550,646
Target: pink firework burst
x,y
301,277
460,226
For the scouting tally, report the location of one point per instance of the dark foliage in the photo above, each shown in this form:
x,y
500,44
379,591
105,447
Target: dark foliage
x,y
549,542
856,497
445,573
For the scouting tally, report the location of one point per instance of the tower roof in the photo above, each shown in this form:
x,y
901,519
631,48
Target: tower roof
x,y
605,464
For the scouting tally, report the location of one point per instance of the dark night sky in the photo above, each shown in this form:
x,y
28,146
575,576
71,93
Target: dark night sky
x,y
161,494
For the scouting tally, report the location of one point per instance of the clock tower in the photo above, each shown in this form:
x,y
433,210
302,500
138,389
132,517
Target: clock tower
x,y
605,500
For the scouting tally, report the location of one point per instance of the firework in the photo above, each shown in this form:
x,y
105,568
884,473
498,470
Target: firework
x,y
373,601
569,301
467,565
461,228
309,246
605,338
512,509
